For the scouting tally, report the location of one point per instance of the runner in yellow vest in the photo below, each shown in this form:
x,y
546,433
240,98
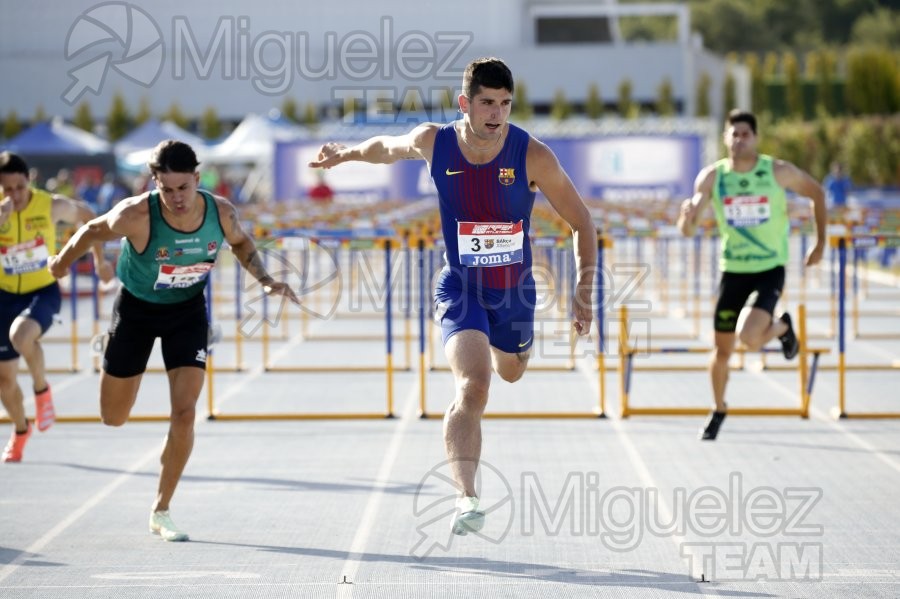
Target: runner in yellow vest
x,y
29,295
747,192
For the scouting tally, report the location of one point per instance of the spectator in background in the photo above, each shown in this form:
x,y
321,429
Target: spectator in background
x,y
321,192
89,190
837,185
111,193
63,184
141,184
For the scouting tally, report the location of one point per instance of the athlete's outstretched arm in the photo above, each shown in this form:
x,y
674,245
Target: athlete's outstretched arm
x,y
77,212
382,149
545,171
128,218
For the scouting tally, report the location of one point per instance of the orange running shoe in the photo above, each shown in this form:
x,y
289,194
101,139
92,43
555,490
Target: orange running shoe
x,y
46,415
13,450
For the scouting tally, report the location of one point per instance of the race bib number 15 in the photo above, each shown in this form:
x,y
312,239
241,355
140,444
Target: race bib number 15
x,y
746,211
25,257
490,244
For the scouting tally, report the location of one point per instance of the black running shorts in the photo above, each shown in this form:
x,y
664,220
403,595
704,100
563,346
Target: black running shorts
x,y
735,288
182,327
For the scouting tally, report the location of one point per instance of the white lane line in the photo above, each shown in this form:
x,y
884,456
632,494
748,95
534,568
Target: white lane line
x,y
643,471
831,422
382,479
73,517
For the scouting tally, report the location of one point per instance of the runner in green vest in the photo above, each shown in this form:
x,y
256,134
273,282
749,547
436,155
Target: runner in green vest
x,y
171,239
747,192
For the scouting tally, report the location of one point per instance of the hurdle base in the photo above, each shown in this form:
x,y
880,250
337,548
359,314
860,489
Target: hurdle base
x,y
698,411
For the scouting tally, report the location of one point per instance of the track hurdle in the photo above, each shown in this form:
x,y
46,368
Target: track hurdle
x,y
356,260
807,375
842,242
215,414
425,338
72,339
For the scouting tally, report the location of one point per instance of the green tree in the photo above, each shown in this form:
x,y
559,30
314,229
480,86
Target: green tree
x,y
289,110
175,115
838,17
730,25
118,121
144,113
40,115
210,124
704,84
83,117
812,65
873,86
310,115
665,98
11,126
561,108
729,92
787,23
770,65
521,106
878,28
792,84
759,94
825,80
626,105
645,29
593,106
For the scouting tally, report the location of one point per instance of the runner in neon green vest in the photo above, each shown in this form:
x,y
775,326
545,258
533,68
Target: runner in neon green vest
x,y
172,236
747,192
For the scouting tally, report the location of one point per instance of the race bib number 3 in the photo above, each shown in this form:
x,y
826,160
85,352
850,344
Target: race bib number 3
x,y
172,276
746,211
489,244
22,258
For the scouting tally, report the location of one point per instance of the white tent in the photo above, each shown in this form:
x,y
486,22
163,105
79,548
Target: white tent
x,y
253,141
252,144
133,150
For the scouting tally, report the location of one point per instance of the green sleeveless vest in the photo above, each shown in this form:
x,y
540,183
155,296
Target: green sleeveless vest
x,y
751,211
175,264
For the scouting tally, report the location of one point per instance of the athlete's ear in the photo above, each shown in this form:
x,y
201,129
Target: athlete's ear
x,y
197,178
463,103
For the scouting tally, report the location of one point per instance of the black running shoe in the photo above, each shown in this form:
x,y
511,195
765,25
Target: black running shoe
x,y
789,344
711,428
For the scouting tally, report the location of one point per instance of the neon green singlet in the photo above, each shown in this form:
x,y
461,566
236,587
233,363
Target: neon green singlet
x,y
751,211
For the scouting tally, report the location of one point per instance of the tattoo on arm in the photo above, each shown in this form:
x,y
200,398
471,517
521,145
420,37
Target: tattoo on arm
x,y
254,265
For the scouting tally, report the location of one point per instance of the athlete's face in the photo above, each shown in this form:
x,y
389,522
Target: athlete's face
x,y
178,191
15,187
488,111
740,141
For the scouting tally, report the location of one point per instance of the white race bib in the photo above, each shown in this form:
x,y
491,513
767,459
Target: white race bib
x,y
172,276
30,256
489,244
746,211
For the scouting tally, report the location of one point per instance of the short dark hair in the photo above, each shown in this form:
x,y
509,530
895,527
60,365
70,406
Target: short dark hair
x,y
171,156
741,116
13,163
486,72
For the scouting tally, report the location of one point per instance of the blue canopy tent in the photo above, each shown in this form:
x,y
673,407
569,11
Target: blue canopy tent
x,y
54,145
133,150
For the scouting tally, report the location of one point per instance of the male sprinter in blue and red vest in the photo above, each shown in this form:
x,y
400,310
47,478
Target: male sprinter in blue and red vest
x,y
487,172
